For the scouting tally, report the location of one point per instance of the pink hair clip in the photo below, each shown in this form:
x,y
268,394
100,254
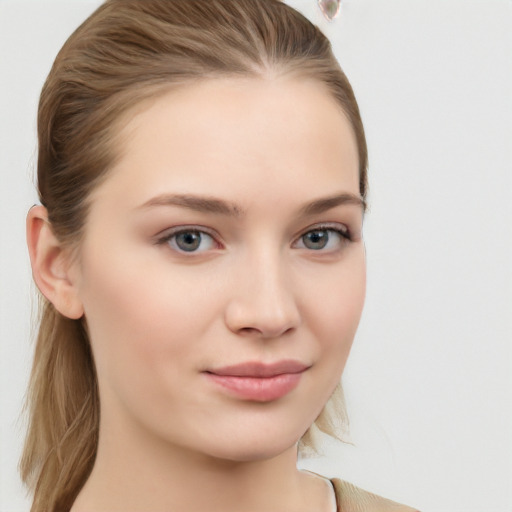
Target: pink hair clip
x,y
330,8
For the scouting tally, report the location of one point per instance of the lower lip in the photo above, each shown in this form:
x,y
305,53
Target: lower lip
x,y
258,389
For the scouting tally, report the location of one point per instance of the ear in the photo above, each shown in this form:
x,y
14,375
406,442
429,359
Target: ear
x,y
51,265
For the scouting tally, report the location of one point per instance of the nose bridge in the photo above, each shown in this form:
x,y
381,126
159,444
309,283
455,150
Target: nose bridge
x,y
264,302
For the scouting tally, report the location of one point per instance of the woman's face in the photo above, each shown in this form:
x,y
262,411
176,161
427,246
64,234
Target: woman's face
x,y
222,272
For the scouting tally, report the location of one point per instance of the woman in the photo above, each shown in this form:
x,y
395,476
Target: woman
x,y
202,177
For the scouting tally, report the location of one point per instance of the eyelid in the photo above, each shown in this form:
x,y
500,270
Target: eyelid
x,y
164,236
341,228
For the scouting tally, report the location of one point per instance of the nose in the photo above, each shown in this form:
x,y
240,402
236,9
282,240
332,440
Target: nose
x,y
263,304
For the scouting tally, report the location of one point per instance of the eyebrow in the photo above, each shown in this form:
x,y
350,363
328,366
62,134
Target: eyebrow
x,y
327,203
208,204
198,203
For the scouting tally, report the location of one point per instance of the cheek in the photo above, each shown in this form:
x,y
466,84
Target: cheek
x,y
334,312
139,319
336,309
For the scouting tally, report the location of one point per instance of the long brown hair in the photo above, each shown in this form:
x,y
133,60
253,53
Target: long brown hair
x,y
126,51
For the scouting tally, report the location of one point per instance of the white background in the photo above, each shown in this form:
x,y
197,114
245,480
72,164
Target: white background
x,y
429,385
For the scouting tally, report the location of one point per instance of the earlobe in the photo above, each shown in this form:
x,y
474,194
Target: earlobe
x,y
51,265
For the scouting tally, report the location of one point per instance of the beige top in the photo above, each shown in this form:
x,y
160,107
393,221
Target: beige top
x,y
350,498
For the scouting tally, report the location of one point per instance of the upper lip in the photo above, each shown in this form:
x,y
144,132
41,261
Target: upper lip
x,y
259,369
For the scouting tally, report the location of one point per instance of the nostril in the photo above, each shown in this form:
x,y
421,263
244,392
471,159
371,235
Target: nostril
x,y
264,333
249,331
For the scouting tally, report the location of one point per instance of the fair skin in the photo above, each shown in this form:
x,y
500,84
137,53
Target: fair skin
x,y
228,232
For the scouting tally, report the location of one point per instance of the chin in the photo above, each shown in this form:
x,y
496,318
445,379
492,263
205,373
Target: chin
x,y
252,453
263,444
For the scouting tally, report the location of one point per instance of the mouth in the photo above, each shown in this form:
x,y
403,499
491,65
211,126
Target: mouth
x,y
256,381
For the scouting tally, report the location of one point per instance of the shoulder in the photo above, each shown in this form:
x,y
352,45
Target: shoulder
x,y
350,498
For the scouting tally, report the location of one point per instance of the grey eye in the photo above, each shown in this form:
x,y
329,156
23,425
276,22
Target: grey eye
x,y
191,241
323,239
317,239
188,241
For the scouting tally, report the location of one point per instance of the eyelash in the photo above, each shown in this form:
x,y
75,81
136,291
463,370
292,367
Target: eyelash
x,y
344,234
170,235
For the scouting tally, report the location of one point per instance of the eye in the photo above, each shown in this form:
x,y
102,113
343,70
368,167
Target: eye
x,y
189,241
323,239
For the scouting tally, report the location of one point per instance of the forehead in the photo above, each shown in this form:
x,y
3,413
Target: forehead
x,y
282,131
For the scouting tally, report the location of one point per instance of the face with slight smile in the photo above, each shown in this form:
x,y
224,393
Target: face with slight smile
x,y
222,270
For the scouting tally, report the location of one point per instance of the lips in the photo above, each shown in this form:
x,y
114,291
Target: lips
x,y
256,381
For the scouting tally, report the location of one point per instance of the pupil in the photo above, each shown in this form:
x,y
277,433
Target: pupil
x,y
316,239
189,241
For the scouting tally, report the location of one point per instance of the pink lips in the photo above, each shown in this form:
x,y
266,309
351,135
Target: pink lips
x,y
257,381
